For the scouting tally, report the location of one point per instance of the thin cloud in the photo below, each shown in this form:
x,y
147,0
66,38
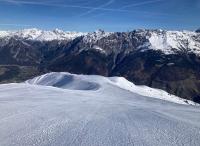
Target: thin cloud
x,y
84,7
2,24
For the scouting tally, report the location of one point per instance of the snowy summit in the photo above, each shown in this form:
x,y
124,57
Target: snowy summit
x,y
40,35
168,42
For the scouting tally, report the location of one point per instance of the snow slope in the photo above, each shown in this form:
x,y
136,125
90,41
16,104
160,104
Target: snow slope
x,y
82,82
48,111
171,42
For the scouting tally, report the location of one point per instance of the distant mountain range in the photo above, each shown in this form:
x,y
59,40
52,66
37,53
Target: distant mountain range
x,y
168,60
39,35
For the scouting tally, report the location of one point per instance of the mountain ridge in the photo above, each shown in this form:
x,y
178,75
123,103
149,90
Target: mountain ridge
x,y
168,60
169,42
35,34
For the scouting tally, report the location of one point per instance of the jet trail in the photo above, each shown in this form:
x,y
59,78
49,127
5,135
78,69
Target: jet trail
x,y
83,7
128,7
89,3
110,2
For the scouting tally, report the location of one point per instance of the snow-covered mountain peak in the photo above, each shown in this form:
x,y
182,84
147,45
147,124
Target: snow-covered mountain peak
x,y
95,36
27,33
32,29
198,30
39,35
57,31
4,34
170,42
99,31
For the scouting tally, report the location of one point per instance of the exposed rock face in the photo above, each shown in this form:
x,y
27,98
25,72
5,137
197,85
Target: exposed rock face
x,y
168,60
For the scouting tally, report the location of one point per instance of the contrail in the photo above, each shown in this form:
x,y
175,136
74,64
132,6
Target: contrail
x,y
46,4
110,2
84,7
14,24
140,4
143,3
11,1
89,3
99,15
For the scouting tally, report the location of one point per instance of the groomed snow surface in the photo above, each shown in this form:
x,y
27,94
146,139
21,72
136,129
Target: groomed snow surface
x,y
66,109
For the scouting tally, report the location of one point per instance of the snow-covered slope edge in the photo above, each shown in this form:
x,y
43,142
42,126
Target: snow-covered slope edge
x,y
149,92
94,82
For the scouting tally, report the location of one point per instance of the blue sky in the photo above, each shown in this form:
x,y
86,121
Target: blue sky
x,y
109,15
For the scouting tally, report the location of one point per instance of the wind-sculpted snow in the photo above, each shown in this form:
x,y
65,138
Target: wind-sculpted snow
x,y
42,115
84,82
64,80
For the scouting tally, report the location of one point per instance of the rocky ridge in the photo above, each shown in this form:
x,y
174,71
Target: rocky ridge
x,y
168,60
